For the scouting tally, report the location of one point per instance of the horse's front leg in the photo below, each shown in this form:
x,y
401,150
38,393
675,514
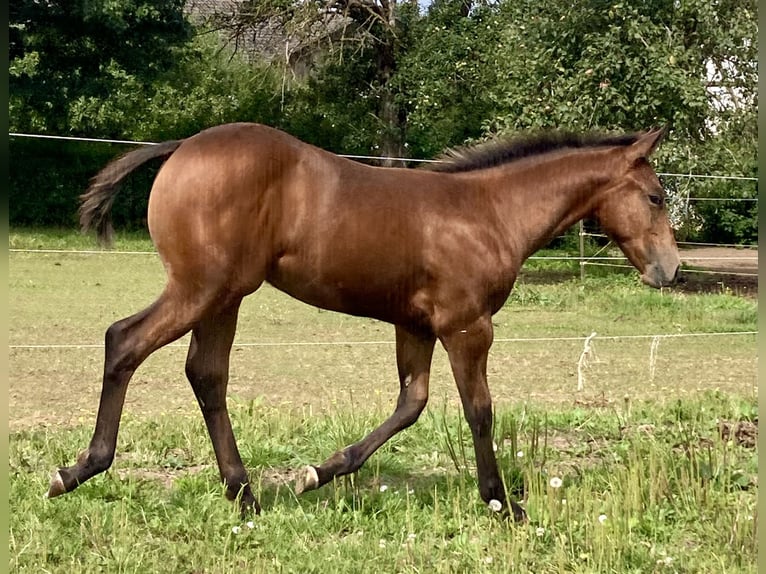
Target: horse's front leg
x,y
467,349
413,359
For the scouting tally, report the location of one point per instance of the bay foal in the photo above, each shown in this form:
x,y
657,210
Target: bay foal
x,y
435,252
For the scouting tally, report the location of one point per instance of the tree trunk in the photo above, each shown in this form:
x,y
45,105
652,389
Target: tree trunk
x,y
391,115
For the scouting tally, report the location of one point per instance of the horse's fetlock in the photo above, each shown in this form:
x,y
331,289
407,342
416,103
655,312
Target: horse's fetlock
x,y
238,486
492,492
96,459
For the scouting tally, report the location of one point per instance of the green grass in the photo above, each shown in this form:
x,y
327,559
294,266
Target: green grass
x,y
674,495
639,445
65,238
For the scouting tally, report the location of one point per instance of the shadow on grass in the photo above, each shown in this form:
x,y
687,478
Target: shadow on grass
x,y
377,487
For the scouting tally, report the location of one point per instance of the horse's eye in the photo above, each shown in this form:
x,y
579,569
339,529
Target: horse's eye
x,y
656,199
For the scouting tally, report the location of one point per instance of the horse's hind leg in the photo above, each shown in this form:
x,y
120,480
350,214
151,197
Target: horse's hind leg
x,y
127,343
413,359
207,368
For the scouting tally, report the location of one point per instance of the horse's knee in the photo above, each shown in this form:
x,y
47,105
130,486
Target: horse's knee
x,y
202,376
194,372
410,409
416,406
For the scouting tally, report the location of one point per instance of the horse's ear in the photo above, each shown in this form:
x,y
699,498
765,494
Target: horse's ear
x,y
646,144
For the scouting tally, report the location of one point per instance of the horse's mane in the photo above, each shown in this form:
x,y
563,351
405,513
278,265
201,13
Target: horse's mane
x,y
505,150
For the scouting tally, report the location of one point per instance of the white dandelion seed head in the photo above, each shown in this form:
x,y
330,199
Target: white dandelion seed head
x,y
235,529
520,454
383,487
495,505
602,518
556,482
250,524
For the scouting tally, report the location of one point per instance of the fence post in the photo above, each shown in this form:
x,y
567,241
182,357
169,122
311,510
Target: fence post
x,y
582,251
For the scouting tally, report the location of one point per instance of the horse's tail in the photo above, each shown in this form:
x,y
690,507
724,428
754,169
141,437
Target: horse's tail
x,y
96,202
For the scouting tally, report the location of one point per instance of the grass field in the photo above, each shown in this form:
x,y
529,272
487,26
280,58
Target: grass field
x,y
656,453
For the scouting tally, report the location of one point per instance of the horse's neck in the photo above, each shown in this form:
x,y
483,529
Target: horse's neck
x,y
539,200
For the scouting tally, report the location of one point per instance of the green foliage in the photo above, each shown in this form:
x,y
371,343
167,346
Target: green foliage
x,y
335,110
445,75
616,66
66,55
208,86
631,66
198,86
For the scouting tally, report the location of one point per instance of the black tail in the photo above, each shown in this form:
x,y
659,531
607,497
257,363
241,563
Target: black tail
x,y
96,202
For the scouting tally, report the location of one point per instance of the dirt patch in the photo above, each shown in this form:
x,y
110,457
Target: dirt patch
x,y
165,476
270,477
705,270
716,269
743,433
724,259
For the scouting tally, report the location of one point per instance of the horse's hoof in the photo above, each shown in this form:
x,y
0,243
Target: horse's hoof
x,y
519,514
56,487
307,479
249,508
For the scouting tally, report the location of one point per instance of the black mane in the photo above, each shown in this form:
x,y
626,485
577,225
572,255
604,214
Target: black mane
x,y
506,150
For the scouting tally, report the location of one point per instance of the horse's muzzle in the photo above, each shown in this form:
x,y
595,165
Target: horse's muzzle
x,y
655,276
662,273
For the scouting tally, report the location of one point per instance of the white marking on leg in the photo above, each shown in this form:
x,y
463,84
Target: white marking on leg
x,y
307,479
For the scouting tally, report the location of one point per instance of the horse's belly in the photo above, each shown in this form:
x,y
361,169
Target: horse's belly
x,y
361,292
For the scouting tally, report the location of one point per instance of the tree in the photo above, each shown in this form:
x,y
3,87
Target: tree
x,y
123,69
630,66
397,78
448,74
66,54
359,41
